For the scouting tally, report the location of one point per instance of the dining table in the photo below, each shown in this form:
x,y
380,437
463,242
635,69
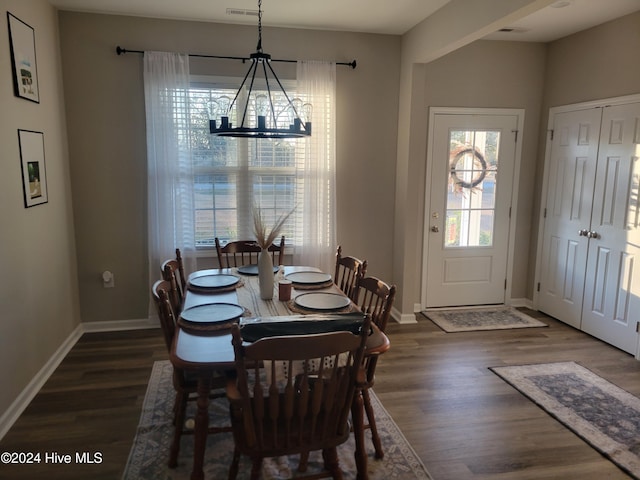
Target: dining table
x,y
206,352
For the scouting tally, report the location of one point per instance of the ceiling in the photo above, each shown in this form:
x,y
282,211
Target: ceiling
x,y
373,16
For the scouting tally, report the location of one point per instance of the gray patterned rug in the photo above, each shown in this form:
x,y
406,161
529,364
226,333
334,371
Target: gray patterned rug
x,y
604,415
480,318
149,453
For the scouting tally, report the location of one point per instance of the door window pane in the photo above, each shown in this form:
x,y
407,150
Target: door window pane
x,y
469,228
472,183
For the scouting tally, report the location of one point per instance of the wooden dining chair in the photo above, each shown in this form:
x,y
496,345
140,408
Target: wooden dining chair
x,y
184,384
375,298
348,270
245,252
173,271
300,408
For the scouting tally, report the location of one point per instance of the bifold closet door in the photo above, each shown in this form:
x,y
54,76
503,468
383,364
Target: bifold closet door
x,y
570,183
612,289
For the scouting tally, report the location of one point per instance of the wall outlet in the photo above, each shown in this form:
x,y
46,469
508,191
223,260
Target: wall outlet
x,y
108,279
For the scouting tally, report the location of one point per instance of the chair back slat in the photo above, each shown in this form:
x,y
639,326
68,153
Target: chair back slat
x,y
173,271
347,272
301,396
161,295
376,300
245,252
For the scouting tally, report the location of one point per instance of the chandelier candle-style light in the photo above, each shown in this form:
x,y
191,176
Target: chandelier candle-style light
x,y
267,121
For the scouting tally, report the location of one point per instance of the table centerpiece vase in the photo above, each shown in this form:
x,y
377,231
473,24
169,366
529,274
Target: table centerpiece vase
x,y
265,274
265,239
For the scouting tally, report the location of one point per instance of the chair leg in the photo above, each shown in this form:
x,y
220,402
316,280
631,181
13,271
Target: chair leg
x,y
360,454
235,461
304,459
256,468
331,463
377,445
180,408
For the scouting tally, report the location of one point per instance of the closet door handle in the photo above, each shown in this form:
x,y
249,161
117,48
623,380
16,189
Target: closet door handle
x,y
593,234
583,233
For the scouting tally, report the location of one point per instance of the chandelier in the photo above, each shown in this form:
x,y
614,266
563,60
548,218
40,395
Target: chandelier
x,y
270,118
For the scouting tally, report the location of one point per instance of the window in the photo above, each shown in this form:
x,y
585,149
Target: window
x,y
473,169
231,174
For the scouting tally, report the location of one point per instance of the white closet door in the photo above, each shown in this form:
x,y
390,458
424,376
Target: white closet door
x,y
612,289
571,178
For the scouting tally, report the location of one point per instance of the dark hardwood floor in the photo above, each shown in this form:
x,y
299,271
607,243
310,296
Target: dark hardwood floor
x,y
462,420
91,403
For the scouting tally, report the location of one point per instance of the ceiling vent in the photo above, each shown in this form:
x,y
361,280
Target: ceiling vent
x,y
513,30
242,12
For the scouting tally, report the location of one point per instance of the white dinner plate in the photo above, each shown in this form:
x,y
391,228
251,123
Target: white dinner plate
x,y
252,269
212,313
322,301
212,279
309,278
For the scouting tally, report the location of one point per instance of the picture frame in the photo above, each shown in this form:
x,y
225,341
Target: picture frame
x,y
34,172
22,44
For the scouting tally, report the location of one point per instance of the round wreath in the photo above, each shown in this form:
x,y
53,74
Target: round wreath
x,y
478,175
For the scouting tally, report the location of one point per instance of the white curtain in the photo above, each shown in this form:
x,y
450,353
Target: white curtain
x,y
317,82
170,179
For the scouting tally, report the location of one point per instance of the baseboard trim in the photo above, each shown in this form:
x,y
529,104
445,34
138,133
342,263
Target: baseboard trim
x,y
521,302
120,325
33,387
400,317
37,382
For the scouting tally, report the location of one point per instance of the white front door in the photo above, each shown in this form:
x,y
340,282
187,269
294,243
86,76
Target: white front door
x,y
467,215
571,177
612,291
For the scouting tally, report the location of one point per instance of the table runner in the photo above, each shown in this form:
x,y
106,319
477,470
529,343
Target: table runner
x,y
249,298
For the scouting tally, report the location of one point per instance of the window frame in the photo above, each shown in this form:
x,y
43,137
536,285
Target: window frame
x,y
245,172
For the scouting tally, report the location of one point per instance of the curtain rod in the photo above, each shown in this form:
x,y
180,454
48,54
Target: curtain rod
x,y
121,51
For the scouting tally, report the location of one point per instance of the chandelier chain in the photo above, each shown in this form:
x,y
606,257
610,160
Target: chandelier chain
x,y
259,48
262,126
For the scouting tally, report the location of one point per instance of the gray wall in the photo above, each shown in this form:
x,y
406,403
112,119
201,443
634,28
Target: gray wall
x,y
39,286
97,195
492,74
105,110
601,62
598,63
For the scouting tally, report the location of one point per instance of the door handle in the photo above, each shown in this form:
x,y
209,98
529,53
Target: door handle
x,y
434,228
588,233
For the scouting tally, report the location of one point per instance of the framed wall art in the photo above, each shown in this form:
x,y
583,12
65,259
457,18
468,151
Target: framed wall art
x,y
34,173
22,41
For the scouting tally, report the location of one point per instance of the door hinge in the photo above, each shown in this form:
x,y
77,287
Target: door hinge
x,y
509,212
544,215
551,132
637,327
516,132
538,286
505,283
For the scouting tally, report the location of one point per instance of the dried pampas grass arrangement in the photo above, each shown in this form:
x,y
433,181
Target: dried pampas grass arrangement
x,y
265,238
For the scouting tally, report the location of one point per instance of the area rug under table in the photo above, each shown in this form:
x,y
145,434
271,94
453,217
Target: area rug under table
x,y
149,454
604,415
480,318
